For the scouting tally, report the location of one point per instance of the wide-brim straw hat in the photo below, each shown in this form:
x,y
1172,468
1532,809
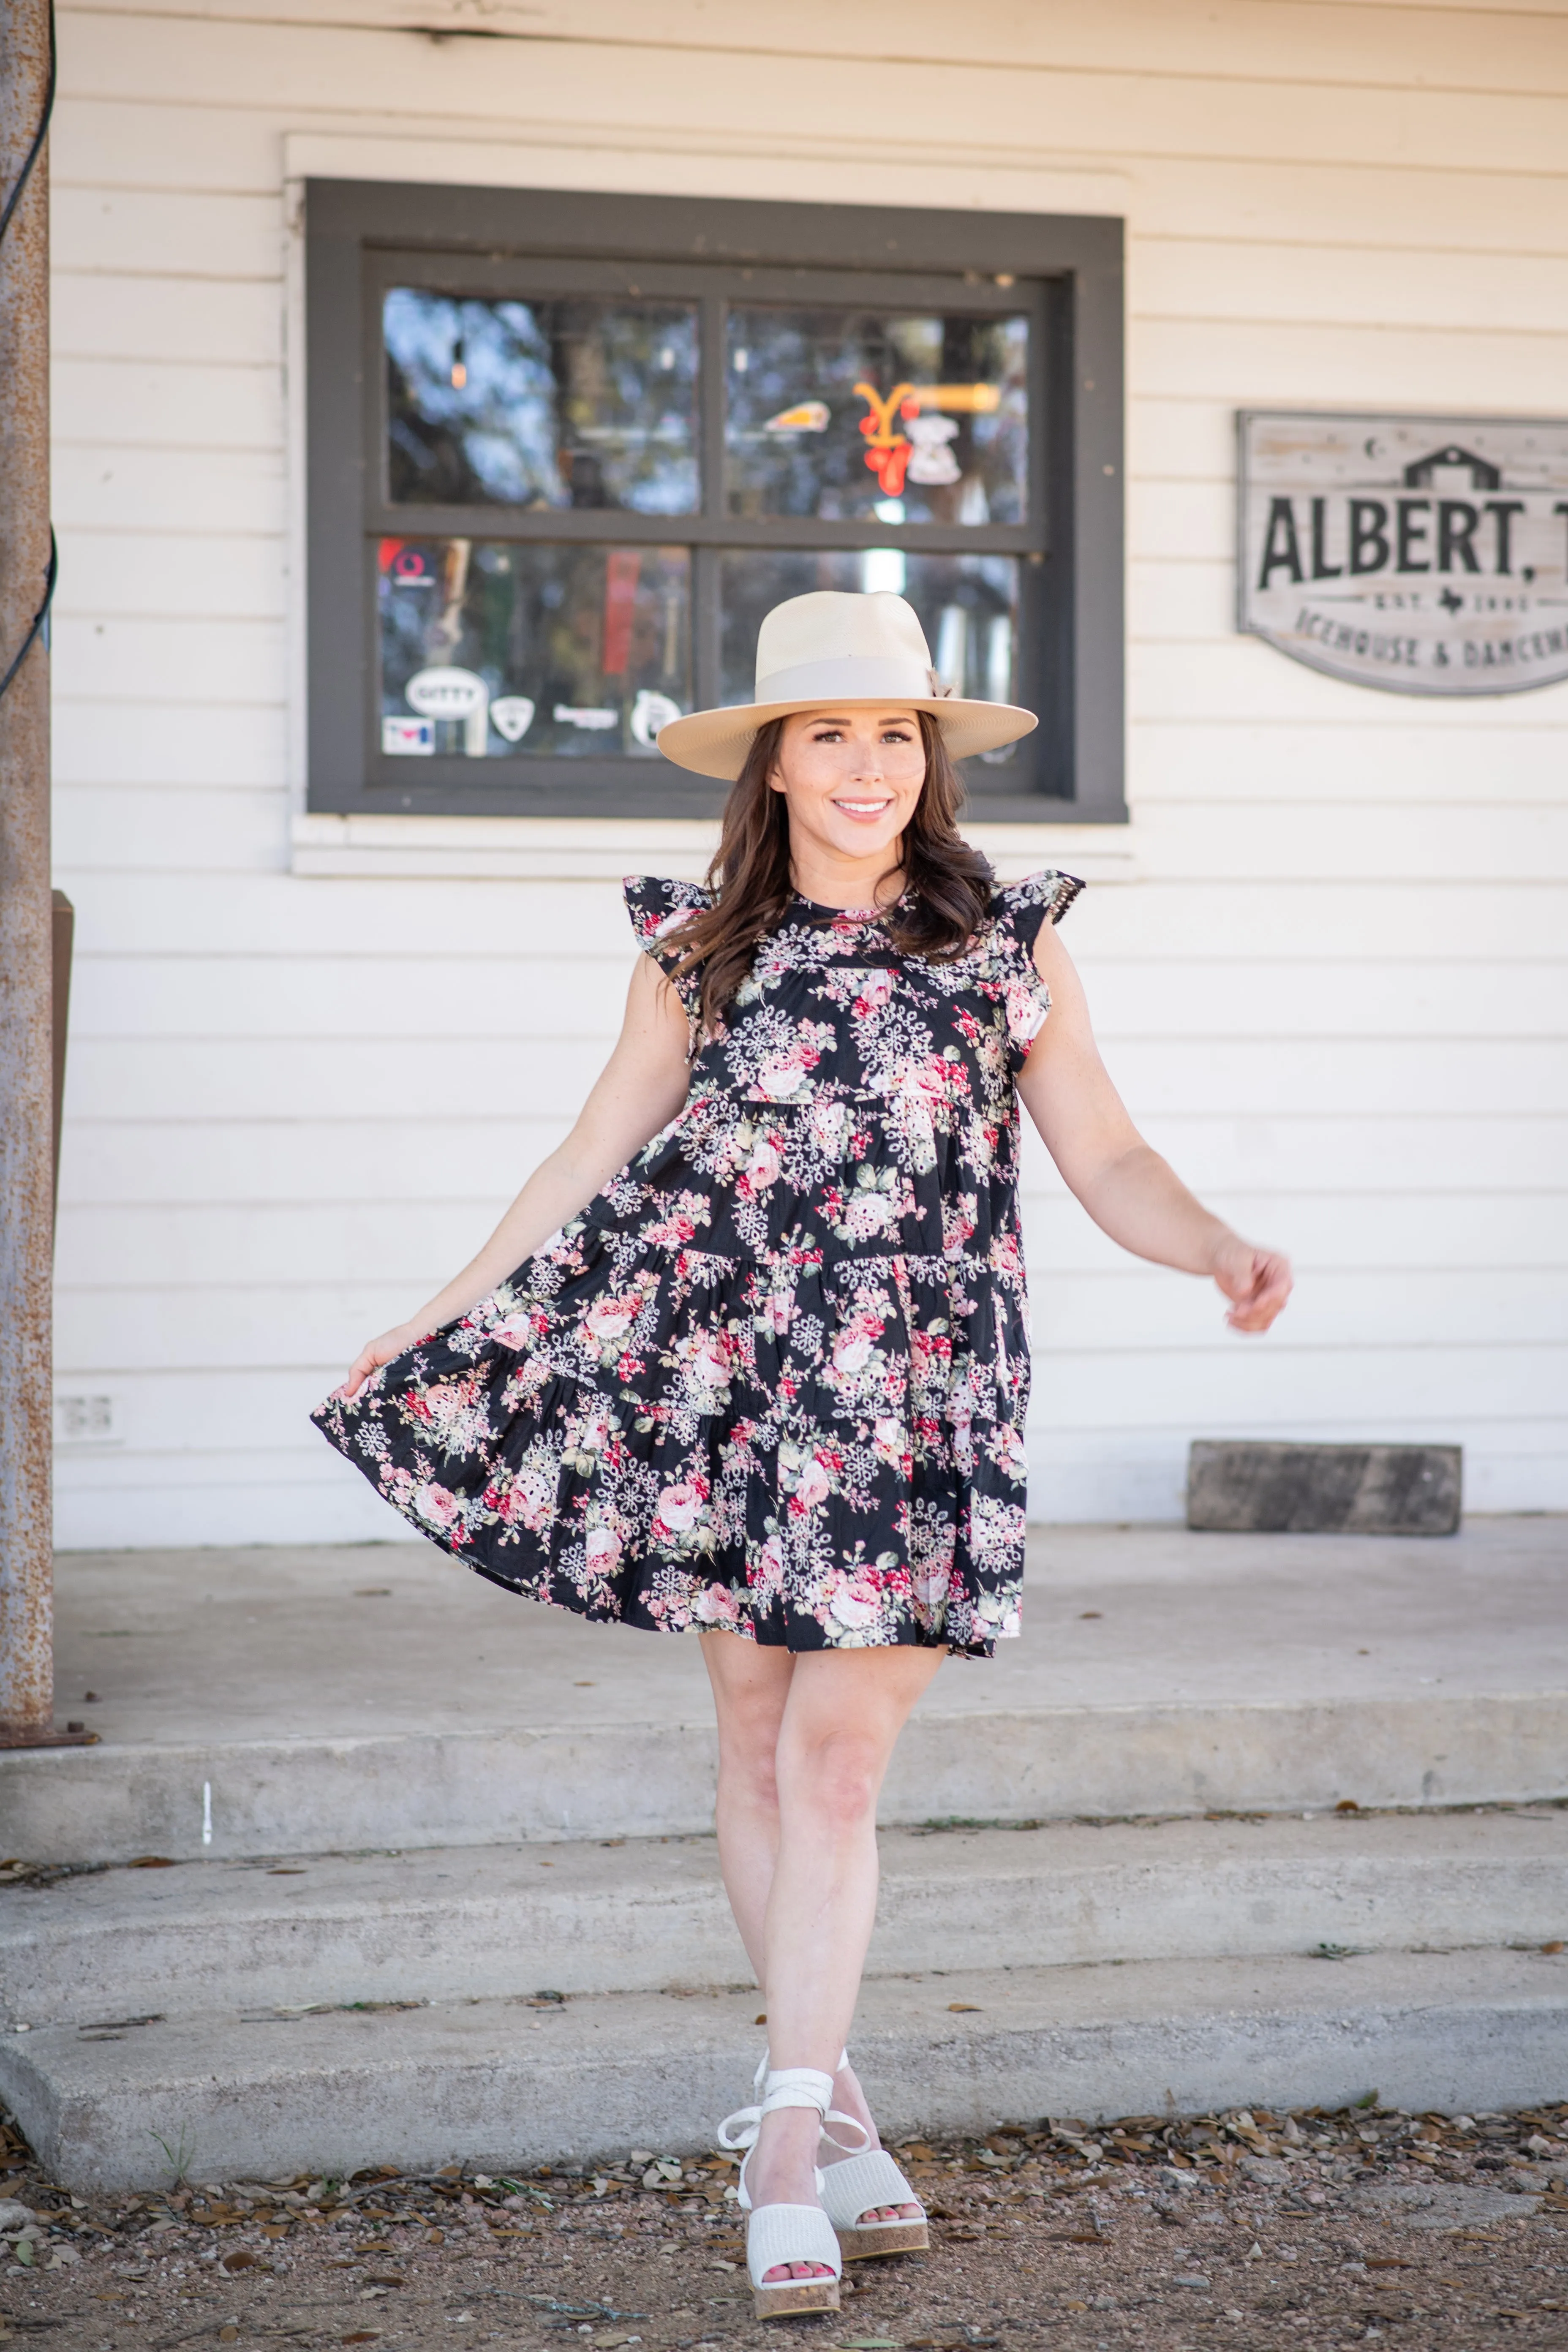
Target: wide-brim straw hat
x,y
833,651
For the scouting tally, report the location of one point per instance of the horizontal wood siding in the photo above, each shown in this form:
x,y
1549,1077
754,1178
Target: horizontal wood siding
x,y
1337,992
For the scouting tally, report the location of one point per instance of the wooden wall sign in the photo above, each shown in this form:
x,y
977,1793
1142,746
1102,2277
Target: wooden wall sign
x,y
1421,554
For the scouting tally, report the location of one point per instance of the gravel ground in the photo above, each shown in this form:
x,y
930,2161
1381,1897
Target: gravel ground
x,y
1246,2228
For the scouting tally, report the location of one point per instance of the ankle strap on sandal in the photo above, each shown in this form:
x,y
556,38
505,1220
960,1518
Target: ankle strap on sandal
x,y
786,2087
796,2087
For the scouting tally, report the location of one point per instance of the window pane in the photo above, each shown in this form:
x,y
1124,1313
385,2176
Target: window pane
x,y
844,414
550,404
499,651
968,607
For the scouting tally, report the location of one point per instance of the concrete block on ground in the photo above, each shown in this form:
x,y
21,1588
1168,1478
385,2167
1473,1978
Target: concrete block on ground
x,y
1251,1487
504,2086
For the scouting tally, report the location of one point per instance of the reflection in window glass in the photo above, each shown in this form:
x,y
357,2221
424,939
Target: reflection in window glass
x,y
549,404
493,650
843,413
968,607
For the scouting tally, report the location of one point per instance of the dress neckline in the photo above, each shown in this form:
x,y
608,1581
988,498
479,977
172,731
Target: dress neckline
x,y
849,913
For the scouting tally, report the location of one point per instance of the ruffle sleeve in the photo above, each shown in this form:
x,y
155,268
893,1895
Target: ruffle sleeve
x,y
657,909
1018,909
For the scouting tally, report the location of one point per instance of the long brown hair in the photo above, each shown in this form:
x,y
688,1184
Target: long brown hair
x,y
947,885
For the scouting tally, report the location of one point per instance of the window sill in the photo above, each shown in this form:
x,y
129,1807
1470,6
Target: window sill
x,y
596,849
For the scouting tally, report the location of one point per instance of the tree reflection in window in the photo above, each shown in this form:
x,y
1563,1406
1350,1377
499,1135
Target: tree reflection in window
x,y
544,403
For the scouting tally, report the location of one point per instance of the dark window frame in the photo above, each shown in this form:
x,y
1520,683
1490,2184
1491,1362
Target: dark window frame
x,y
466,236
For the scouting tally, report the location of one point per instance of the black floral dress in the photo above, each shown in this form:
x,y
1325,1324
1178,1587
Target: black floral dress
x,y
774,1377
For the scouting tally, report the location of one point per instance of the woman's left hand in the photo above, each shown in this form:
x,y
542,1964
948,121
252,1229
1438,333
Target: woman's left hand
x,y
1257,1282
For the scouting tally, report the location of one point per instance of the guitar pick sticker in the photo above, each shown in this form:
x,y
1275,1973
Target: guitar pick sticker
x,y
512,717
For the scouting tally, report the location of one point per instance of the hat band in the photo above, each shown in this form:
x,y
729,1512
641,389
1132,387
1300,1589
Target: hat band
x,y
852,678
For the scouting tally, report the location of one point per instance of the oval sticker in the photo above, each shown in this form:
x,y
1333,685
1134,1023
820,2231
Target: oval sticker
x,y
446,693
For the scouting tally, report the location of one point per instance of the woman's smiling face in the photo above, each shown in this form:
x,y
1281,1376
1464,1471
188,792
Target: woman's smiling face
x,y
851,780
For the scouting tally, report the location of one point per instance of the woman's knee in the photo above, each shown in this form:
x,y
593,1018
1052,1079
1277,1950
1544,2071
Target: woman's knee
x,y
833,1777
748,1766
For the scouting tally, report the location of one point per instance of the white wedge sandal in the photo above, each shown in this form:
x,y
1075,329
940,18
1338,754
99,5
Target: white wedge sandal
x,y
857,2184
777,2234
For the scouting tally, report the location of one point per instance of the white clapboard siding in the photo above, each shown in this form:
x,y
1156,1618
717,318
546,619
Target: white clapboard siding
x,y
99,315
413,1244
363,1077
1236,278
1338,769
1459,50
238,1406
192,233
1172,682
108,405
413,1155
1336,992
1419,1153
629,85
1277,363
217,821
280,915
124,658
1377,206
105,746
485,993
1494,842
197,573
104,486
431,1155
515,996
1085,1315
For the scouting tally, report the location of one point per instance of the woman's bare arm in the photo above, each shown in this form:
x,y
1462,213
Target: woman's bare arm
x,y
639,1091
1130,1191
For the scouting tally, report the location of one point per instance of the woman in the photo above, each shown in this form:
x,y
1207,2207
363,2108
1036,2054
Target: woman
x,y
748,1352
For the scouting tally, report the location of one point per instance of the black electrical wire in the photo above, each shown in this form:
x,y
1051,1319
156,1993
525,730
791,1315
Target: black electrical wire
x,y
41,616
35,149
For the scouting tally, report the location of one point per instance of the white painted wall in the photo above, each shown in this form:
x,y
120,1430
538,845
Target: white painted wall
x,y
1335,992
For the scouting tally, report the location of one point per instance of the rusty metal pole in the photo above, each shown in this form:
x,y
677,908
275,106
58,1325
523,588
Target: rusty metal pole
x,y
26,1660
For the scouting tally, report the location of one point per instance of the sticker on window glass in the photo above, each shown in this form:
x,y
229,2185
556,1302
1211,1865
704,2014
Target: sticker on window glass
x,y
878,382
515,652
888,454
960,399
623,567
407,739
932,460
650,712
453,694
446,693
512,716
806,416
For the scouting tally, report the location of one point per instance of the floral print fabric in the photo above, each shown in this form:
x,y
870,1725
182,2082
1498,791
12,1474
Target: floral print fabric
x,y
773,1378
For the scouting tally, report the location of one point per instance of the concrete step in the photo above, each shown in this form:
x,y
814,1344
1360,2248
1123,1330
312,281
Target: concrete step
x,y
640,1916
264,1702
503,2085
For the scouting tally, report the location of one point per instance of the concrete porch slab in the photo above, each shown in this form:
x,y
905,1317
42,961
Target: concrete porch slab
x,y
378,1696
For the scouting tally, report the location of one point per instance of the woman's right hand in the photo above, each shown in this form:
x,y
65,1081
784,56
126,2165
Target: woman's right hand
x,y
376,1353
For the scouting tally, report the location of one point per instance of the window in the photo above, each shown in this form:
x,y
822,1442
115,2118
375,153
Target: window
x,y
565,452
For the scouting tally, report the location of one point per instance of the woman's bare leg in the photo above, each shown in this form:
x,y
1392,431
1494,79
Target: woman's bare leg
x,y
750,1684
805,1742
